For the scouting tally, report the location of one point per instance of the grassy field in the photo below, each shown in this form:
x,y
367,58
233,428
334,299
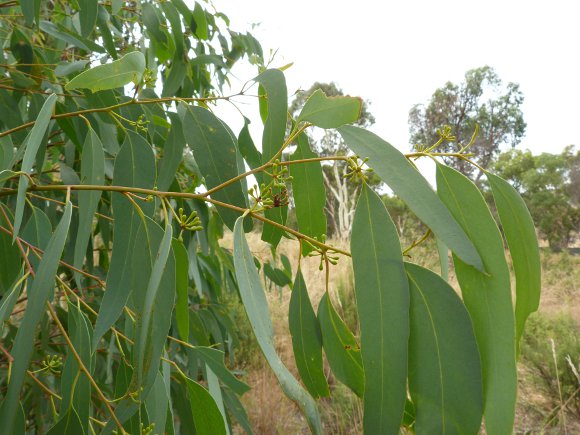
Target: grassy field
x,y
549,396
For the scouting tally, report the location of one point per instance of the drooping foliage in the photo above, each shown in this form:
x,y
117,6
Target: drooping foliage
x,y
118,182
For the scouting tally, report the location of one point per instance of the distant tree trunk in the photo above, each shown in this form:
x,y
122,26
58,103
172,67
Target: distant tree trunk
x,y
342,202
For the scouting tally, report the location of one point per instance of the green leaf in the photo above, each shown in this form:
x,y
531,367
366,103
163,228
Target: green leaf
x,y
382,301
157,402
64,34
33,144
10,265
8,300
309,193
341,348
395,170
87,16
103,22
444,368
172,153
64,69
214,359
248,150
42,289
92,172
306,340
487,297
215,151
443,259
150,331
112,75
30,10
207,417
277,276
274,83
75,386
520,233
236,408
182,285
134,167
201,29
256,305
330,112
69,424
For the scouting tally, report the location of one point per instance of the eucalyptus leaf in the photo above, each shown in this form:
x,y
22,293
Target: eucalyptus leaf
x,y
382,300
32,146
520,233
487,297
306,340
112,75
42,289
256,305
395,170
444,368
342,350
330,112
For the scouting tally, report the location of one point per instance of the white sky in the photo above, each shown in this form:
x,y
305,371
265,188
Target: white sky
x,y
396,53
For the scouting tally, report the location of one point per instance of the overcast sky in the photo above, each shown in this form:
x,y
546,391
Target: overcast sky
x,y
395,54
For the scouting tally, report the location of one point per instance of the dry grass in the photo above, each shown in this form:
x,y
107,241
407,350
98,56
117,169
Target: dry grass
x,y
270,412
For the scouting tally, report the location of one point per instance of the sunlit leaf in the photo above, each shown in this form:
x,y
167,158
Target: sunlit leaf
x,y
330,112
395,170
444,368
306,340
487,297
112,75
382,301
520,234
256,305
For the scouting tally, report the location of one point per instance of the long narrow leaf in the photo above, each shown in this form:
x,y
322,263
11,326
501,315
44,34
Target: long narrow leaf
x,y
395,170
382,300
92,172
309,193
256,305
33,144
342,350
487,297
276,107
306,339
42,289
520,233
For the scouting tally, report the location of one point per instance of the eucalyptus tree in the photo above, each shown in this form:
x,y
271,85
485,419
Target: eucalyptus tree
x,y
113,203
480,113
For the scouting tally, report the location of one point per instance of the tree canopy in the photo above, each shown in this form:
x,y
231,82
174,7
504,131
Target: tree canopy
x,y
481,102
548,183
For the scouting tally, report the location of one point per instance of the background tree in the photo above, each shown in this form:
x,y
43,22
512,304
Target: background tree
x,y
547,183
341,195
482,100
